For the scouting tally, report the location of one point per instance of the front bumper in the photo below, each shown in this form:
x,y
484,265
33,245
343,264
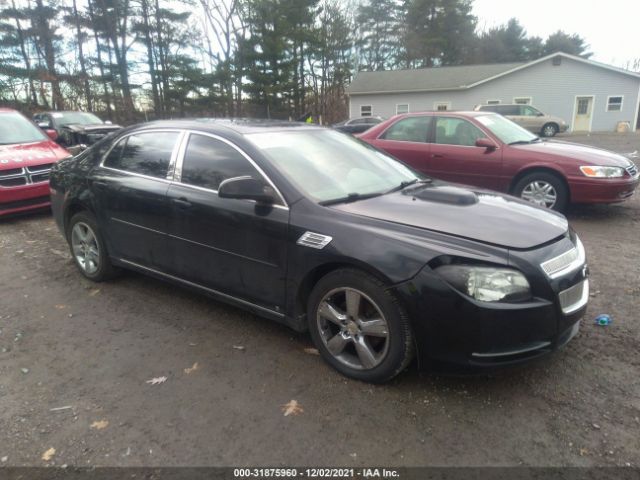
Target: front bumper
x,y
456,332
24,198
602,190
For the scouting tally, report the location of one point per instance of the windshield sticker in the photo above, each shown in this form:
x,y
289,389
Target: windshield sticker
x,y
57,115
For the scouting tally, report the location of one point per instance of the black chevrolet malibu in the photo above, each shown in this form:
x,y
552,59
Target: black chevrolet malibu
x,y
314,229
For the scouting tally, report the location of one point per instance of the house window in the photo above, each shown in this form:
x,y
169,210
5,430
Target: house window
x,y
493,102
522,100
614,104
442,106
366,110
402,108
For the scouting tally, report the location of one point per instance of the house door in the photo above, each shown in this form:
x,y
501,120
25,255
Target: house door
x,y
584,111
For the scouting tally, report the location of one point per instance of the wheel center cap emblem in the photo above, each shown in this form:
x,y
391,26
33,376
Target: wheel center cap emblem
x,y
352,328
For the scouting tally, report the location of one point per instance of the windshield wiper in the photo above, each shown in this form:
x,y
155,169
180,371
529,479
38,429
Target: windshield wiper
x,y
352,197
406,184
525,142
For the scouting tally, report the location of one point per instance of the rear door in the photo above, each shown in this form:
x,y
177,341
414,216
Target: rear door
x,y
406,140
130,188
236,247
455,157
531,119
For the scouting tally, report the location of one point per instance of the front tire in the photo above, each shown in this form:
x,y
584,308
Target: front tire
x,y
543,189
359,327
88,248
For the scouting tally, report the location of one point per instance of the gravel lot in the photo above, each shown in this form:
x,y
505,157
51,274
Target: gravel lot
x,y
75,358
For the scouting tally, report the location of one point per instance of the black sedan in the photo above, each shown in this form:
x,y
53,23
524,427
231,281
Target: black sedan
x,y
321,232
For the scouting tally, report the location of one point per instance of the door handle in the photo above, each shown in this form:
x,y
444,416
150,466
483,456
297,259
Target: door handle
x,y
182,202
437,155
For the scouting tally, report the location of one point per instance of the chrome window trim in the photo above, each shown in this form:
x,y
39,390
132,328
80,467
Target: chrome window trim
x,y
576,263
172,160
180,162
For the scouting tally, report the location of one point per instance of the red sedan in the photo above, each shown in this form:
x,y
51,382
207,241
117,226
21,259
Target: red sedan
x,y
490,151
26,156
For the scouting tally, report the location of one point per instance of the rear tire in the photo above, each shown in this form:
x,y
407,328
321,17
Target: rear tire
x,y
549,130
88,249
543,189
359,327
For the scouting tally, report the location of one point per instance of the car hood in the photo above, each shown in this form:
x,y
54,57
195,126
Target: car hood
x,y
97,127
28,154
476,214
585,154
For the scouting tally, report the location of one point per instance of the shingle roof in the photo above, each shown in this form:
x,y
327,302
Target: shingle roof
x,y
426,79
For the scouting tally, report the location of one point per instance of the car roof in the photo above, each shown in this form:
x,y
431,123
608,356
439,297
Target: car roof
x,y
462,113
242,126
8,110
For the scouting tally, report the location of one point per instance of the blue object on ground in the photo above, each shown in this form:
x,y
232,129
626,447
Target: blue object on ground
x,y
603,320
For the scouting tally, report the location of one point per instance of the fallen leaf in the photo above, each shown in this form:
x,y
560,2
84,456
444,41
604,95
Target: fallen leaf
x,y
58,409
61,307
292,408
157,380
4,459
312,351
238,347
48,455
99,424
94,292
192,368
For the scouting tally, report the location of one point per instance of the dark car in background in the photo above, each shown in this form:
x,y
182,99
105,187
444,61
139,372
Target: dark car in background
x,y
75,128
26,157
357,125
490,151
321,232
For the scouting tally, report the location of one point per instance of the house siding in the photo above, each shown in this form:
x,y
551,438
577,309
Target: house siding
x,y
553,90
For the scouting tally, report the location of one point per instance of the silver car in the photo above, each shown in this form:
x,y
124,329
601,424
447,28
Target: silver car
x,y
528,117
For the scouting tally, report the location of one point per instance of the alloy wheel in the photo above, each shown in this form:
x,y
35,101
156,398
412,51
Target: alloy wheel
x,y
353,328
86,250
540,193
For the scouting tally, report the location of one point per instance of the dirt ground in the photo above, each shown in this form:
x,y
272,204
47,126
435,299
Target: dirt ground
x,y
76,358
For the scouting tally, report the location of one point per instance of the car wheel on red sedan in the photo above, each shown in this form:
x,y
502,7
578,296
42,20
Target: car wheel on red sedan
x,y
88,249
543,189
359,327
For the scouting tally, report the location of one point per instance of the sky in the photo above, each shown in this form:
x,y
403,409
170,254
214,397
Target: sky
x,y
610,27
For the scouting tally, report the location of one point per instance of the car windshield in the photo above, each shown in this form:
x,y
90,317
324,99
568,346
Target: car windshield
x,y
14,128
328,165
506,130
75,118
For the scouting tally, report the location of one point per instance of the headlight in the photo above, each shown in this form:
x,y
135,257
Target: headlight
x,y
602,172
487,284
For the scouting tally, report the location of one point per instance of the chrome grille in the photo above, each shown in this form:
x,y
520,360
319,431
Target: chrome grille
x,y
16,177
566,262
632,169
314,240
574,298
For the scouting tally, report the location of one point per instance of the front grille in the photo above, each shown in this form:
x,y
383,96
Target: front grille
x,y
40,168
24,203
17,177
574,298
632,169
566,262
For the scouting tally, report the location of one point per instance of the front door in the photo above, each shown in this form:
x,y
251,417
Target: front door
x,y
407,141
235,247
584,110
455,157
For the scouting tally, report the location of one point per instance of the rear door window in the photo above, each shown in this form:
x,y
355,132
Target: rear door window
x,y
209,161
411,129
144,153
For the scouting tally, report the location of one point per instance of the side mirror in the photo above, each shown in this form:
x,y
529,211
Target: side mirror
x,y
246,188
108,122
52,134
486,143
